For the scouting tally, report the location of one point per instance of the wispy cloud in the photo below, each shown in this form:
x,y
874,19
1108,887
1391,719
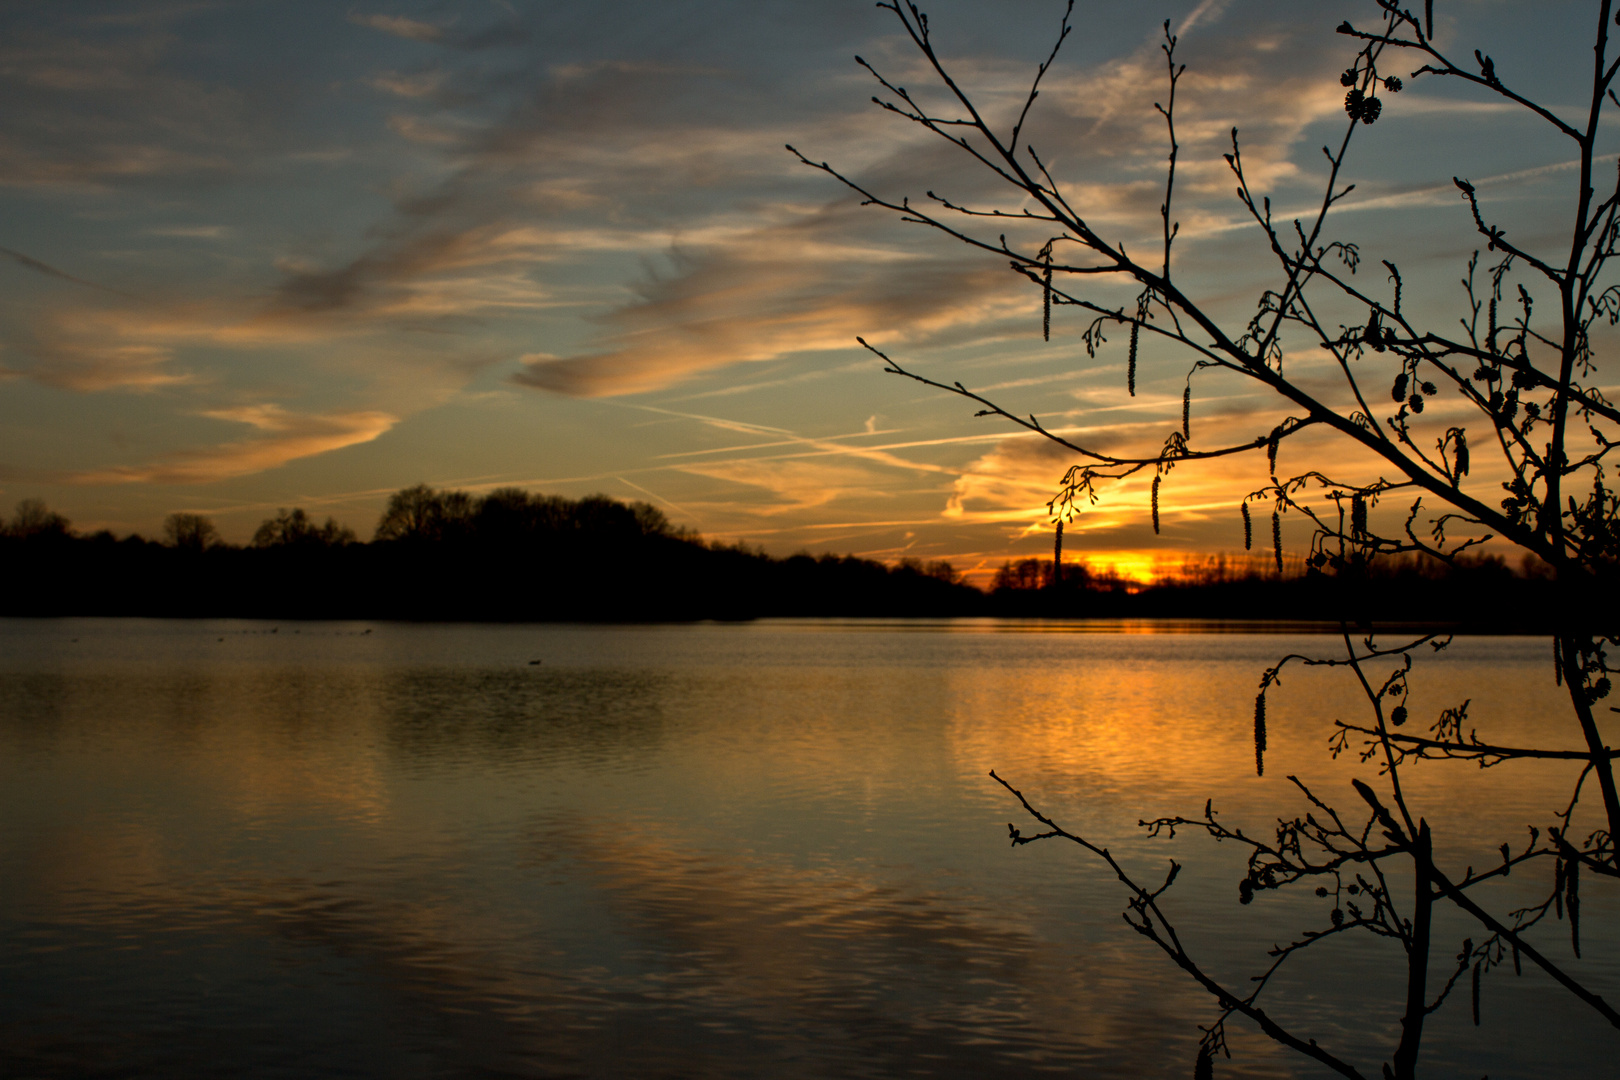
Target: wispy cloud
x,y
418,84
400,26
100,109
508,32
192,232
65,348
769,297
284,437
92,367
798,485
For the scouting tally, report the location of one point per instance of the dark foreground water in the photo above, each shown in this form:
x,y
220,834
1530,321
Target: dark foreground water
x,y
769,850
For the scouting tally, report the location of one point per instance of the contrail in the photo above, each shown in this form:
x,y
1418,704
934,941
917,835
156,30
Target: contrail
x,y
655,495
50,271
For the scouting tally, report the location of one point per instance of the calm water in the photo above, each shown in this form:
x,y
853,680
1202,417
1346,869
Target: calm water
x,y
262,849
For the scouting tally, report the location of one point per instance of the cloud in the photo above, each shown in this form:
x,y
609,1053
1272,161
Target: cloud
x,y
419,84
815,277
400,26
799,485
70,349
1011,483
541,173
505,33
575,170
100,366
192,232
423,276
284,437
1267,74
533,169
98,107
778,292
422,131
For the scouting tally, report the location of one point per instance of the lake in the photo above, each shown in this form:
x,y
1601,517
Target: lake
x,y
716,850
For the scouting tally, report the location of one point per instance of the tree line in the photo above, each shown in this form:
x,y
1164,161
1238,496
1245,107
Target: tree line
x,y
516,555
453,555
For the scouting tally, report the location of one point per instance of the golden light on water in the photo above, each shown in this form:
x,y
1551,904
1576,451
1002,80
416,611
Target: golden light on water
x,y
780,827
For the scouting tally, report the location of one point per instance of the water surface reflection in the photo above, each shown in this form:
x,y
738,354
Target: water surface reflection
x,y
764,850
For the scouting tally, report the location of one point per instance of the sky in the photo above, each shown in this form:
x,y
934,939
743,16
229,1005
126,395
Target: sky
x,y
272,253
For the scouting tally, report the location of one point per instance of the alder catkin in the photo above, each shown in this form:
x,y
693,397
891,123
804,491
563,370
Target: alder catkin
x,y
1156,480
1276,538
1358,515
1186,411
1271,450
1248,527
1204,1067
1130,363
1046,313
1490,325
1260,734
1572,903
1477,965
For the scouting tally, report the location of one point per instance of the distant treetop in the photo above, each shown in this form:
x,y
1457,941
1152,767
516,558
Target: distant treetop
x,y
294,528
34,518
190,532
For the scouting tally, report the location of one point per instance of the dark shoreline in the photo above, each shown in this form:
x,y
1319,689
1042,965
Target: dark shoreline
x,y
665,579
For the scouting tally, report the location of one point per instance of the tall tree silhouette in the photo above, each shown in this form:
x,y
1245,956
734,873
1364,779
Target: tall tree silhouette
x,y
33,518
190,532
1540,432
422,514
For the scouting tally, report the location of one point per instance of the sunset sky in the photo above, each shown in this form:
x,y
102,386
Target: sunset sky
x,y
268,253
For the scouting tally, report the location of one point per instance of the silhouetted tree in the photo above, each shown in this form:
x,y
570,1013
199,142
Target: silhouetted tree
x,y
513,515
1541,433
34,519
293,528
1023,574
190,532
938,569
607,517
422,514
